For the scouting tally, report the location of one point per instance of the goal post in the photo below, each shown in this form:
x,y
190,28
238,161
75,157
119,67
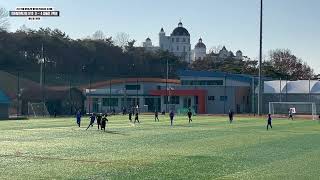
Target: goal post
x,y
38,110
298,108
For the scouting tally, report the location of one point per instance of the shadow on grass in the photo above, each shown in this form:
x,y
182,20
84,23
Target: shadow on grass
x,y
20,155
115,132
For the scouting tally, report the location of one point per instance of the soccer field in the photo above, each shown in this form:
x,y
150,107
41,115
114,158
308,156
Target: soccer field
x,y
208,148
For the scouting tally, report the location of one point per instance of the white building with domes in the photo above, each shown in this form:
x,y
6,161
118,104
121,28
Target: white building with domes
x,y
200,51
148,45
179,44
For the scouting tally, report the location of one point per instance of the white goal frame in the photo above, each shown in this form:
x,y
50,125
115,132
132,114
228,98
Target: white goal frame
x,y
34,112
313,107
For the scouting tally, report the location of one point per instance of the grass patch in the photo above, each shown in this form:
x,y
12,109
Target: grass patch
x,y
208,148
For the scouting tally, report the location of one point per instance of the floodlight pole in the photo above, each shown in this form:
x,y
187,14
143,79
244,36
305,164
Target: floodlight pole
x,y
18,94
110,95
260,62
167,76
225,94
90,95
70,96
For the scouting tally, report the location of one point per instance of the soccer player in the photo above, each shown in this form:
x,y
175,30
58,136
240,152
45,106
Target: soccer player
x,y
99,118
156,114
124,111
104,122
55,113
230,116
130,116
78,116
163,112
189,115
171,117
92,119
269,122
290,114
136,118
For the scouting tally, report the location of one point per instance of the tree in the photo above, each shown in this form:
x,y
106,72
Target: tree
x,y
98,35
24,29
287,65
4,22
215,49
122,39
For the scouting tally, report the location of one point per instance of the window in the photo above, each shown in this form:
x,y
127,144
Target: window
x,y
158,87
211,98
184,48
184,40
202,82
133,87
177,39
223,98
177,48
110,102
172,100
172,39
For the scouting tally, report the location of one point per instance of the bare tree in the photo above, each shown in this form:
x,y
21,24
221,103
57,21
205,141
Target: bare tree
x,y
122,39
98,35
23,28
286,63
215,49
4,22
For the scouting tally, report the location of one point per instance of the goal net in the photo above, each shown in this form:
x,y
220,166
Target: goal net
x,y
38,110
296,108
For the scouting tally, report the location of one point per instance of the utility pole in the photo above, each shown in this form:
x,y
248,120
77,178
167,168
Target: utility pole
x,y
90,95
225,93
18,93
137,92
167,97
110,96
44,79
260,62
70,96
280,91
41,65
253,97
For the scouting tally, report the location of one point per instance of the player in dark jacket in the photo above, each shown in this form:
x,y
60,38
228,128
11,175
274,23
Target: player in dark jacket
x,y
269,122
130,116
230,116
104,122
92,119
171,117
156,116
136,118
78,116
99,118
190,115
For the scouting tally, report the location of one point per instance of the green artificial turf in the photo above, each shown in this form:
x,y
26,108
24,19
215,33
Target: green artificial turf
x,y
208,148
